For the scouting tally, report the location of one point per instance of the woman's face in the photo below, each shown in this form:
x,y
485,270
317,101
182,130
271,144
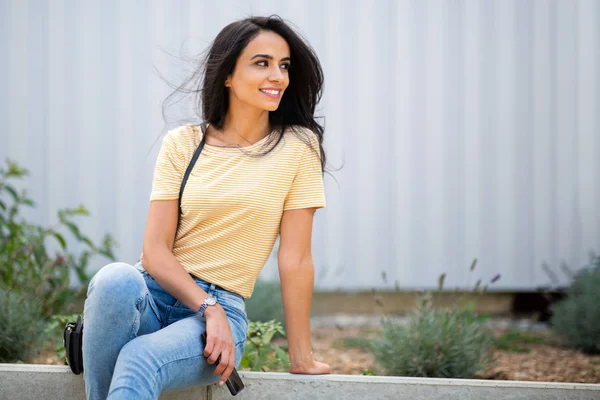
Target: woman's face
x,y
261,73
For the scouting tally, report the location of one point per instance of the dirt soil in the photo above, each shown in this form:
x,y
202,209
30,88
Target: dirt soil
x,y
549,362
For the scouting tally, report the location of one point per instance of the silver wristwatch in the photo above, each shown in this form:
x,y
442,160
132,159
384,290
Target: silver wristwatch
x,y
209,301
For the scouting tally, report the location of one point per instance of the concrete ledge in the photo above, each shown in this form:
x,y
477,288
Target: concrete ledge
x,y
24,381
286,386
57,382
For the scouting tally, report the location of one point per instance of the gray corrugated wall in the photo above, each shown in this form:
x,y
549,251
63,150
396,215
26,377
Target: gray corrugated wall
x,y
466,128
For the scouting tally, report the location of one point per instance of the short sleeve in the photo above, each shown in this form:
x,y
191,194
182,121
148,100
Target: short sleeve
x,y
307,189
168,171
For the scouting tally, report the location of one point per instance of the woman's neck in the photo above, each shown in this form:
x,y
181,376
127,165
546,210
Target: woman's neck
x,y
245,126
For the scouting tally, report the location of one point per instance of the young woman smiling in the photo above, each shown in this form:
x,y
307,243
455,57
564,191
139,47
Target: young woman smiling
x,y
259,175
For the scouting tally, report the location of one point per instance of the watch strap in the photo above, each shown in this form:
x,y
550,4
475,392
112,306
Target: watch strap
x,y
205,305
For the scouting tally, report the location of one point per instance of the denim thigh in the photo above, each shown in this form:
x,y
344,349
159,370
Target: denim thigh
x,y
171,310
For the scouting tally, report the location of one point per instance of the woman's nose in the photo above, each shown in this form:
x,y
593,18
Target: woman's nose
x,y
276,75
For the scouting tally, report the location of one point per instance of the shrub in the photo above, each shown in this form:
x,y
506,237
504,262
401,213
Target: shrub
x,y
35,284
577,318
265,304
260,353
442,343
450,343
25,263
21,327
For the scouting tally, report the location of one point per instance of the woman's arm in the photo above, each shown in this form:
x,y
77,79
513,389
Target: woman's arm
x,y
161,264
158,259
296,272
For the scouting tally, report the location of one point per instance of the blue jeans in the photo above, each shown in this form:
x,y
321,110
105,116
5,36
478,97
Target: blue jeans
x,y
139,341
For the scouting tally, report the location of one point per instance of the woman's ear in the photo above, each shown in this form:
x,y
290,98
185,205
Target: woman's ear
x,y
228,81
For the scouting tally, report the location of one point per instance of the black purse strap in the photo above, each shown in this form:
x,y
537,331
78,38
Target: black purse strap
x,y
187,173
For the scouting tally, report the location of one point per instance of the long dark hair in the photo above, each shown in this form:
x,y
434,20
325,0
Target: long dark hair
x,y
299,101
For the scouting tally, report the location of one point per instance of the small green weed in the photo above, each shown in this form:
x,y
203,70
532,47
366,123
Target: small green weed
x,y
516,340
260,353
368,372
353,342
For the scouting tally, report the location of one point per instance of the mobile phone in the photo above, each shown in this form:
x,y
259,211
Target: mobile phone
x,y
234,382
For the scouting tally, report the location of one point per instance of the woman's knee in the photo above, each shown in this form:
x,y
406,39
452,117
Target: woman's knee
x,y
164,365
117,278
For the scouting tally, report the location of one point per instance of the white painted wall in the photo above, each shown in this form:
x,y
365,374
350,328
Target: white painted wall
x,y
466,128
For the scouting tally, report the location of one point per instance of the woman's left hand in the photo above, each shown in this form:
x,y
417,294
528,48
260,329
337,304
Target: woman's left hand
x,y
311,367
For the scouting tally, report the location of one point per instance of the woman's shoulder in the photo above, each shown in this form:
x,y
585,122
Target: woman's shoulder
x,y
301,135
303,130
184,136
302,140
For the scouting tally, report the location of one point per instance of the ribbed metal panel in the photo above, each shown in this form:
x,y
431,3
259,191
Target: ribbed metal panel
x,y
466,129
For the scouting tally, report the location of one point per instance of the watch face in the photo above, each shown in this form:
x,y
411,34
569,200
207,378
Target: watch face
x,y
211,301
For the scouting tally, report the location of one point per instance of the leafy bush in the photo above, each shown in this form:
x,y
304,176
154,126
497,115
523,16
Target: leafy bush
x,y
262,355
265,304
577,318
442,343
34,283
21,326
450,343
25,263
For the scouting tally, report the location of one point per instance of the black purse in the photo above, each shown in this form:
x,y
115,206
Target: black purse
x,y
72,339
73,334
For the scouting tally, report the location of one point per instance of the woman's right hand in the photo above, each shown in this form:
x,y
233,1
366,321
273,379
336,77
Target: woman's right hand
x,y
219,342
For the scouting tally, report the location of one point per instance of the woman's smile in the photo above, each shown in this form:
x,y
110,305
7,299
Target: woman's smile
x,y
272,93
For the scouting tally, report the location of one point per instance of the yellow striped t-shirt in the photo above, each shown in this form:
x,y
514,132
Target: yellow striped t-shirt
x,y
233,202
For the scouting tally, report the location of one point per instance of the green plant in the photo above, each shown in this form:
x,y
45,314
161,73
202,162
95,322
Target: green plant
x,y
265,303
21,327
447,343
34,281
26,265
55,329
260,353
368,372
577,318
516,340
444,343
353,342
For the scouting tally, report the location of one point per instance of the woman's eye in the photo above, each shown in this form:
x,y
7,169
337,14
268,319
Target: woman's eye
x,y
264,63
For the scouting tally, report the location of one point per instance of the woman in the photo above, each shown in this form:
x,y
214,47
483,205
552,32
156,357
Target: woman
x,y
258,176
